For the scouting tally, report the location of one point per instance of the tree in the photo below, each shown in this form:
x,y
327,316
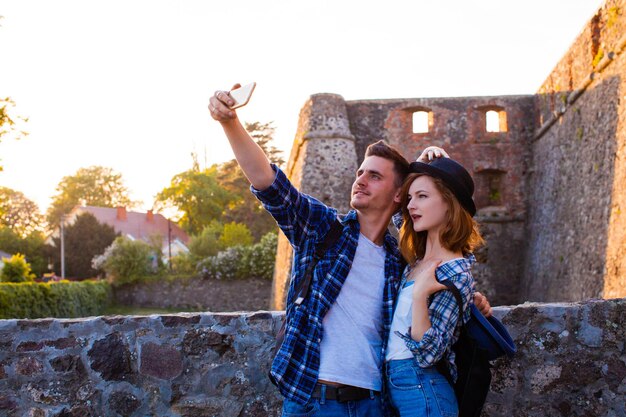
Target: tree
x,y
9,123
126,260
16,269
84,239
197,195
32,246
93,186
235,234
19,213
245,208
206,243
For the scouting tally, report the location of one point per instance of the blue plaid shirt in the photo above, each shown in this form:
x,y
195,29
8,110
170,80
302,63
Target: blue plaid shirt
x,y
437,342
305,221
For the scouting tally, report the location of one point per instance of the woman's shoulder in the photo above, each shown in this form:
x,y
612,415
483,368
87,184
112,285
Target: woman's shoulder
x,y
458,270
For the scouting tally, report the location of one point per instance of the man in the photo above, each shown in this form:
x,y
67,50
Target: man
x,y
331,359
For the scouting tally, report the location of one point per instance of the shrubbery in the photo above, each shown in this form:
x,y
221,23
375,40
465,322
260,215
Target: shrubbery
x,y
60,299
240,262
127,261
16,269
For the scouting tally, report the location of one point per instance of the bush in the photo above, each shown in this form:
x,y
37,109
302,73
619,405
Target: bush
x,y
235,234
240,262
59,299
262,257
207,243
16,269
127,261
182,264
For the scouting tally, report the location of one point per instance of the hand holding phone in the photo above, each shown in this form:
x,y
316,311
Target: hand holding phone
x,y
241,95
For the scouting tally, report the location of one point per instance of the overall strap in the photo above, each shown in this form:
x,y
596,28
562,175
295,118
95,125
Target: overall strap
x,y
321,248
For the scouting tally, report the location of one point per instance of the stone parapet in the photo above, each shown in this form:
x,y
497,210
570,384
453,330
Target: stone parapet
x,y
570,362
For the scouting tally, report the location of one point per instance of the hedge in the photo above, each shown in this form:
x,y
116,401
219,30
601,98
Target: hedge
x,y
63,299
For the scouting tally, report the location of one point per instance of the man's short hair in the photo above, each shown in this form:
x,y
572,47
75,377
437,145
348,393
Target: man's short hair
x,y
383,150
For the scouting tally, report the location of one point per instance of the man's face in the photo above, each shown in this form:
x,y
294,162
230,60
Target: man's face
x,y
374,188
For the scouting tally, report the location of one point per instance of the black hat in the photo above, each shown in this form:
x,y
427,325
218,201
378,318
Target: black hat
x,y
456,178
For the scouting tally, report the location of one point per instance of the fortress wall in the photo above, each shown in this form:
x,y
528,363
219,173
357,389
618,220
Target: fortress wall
x,y
570,362
576,200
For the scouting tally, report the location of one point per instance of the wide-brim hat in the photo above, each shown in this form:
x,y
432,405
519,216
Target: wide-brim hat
x,y
454,176
490,334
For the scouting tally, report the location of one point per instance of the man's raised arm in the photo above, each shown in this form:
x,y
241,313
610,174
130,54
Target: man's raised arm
x,y
251,158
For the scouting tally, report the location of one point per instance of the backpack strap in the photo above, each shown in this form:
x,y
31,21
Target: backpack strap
x,y
329,240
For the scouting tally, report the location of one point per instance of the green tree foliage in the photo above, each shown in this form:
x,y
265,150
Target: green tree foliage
x,y
84,239
93,186
16,269
207,243
244,207
19,213
235,234
126,261
221,193
197,195
32,246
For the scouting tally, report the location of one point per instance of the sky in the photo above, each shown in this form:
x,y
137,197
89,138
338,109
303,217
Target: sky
x,y
125,84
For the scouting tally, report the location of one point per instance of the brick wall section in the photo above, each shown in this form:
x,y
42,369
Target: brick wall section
x,y
570,362
577,203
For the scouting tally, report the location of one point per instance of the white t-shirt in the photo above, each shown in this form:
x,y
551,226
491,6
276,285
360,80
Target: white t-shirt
x,y
350,351
402,317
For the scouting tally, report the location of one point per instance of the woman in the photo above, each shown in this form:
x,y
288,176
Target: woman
x,y
436,239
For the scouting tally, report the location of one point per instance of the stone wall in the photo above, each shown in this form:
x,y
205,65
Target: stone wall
x,y
197,294
571,362
577,203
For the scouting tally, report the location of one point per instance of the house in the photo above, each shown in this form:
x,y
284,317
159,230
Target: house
x,y
3,255
135,225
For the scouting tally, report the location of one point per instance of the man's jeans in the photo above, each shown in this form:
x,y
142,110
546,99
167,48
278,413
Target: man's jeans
x,y
321,407
419,392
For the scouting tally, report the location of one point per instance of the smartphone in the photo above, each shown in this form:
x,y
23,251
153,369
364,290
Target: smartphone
x,y
241,95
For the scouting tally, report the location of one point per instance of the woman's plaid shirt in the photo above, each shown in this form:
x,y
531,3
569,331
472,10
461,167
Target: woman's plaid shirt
x,y
305,221
444,315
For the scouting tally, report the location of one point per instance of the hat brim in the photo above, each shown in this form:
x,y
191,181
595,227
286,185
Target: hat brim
x,y
490,334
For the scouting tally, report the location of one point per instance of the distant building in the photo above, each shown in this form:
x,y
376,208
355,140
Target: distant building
x,y
135,225
3,255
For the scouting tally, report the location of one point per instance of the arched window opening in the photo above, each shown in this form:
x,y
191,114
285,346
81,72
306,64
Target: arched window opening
x,y
421,121
495,121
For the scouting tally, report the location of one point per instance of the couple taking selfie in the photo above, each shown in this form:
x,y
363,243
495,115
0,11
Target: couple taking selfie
x,y
367,322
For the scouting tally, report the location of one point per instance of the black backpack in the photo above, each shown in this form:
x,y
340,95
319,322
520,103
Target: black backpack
x,y
480,341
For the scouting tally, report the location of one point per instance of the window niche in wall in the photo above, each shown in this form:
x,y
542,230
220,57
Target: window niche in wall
x,y
422,121
494,119
489,188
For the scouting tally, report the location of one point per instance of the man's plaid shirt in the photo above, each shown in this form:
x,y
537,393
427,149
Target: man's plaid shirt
x,y
305,221
444,315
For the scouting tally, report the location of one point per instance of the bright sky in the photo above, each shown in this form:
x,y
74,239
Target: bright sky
x,y
125,84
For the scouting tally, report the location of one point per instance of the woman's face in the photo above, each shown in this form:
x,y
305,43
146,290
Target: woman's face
x,y
426,205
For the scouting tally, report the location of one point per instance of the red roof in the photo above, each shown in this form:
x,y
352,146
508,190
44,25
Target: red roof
x,y
137,225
